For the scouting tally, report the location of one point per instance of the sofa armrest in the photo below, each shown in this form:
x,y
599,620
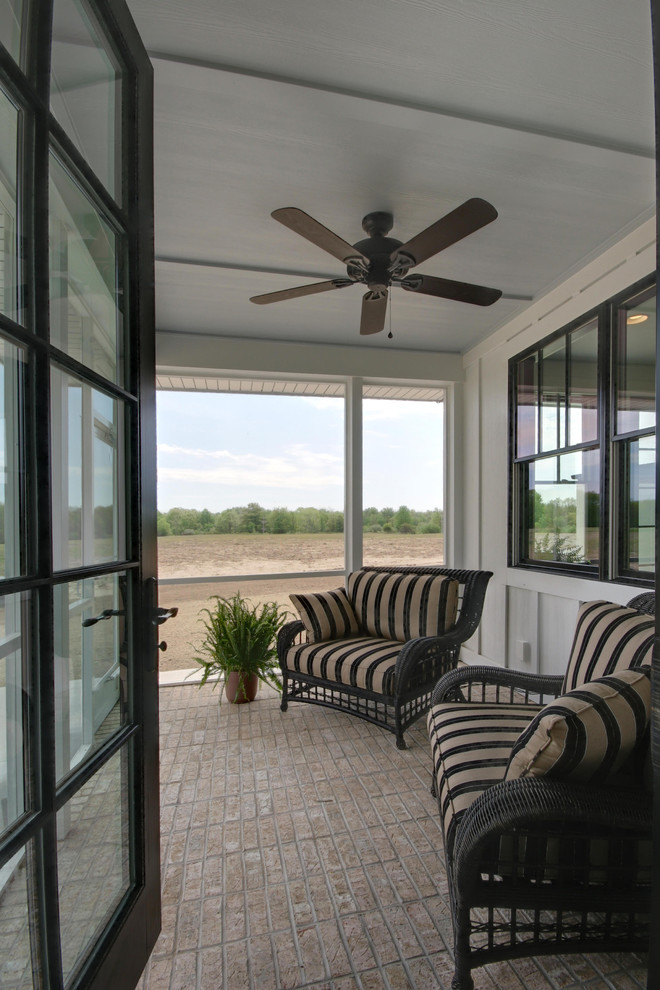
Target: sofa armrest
x,y
415,654
493,831
474,592
495,684
287,635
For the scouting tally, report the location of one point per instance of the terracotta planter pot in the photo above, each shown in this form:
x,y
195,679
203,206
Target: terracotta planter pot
x,y
237,695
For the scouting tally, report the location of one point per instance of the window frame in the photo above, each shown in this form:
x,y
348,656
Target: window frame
x,y
621,441
609,443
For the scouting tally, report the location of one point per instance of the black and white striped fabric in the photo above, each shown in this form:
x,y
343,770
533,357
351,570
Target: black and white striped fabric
x,y
402,606
608,638
470,746
589,733
326,615
360,662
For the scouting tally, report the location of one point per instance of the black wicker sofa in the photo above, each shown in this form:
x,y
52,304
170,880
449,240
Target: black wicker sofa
x,y
377,647
543,785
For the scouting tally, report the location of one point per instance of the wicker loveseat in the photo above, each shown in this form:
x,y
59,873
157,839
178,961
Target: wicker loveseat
x,y
543,788
377,647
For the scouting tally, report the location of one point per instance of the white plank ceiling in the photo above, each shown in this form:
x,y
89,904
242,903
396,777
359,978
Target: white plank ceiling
x,y
411,106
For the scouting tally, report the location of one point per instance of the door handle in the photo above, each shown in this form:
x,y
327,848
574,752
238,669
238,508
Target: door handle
x,y
163,614
158,616
107,613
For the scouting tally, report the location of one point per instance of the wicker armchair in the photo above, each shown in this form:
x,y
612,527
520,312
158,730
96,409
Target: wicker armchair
x,y
393,690
538,864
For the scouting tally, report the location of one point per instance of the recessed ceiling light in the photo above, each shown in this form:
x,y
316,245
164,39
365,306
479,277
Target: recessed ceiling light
x,y
637,318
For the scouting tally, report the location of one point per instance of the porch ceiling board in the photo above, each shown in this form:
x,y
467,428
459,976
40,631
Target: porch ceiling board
x,y
409,107
264,386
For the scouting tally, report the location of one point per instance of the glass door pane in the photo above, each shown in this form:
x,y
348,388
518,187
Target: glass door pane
x,y
12,530
86,89
94,861
11,16
15,694
19,959
9,266
86,279
88,473
91,689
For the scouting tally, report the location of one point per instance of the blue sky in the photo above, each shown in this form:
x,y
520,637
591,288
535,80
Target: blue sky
x,y
217,451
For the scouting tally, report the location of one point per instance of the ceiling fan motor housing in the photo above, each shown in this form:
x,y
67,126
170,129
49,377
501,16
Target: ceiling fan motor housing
x,y
378,249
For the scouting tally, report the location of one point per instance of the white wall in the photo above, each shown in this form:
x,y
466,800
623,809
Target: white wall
x,y
524,607
199,354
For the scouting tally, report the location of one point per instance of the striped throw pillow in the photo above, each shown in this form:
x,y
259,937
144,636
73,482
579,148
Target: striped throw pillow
x,y
589,733
608,637
326,615
402,606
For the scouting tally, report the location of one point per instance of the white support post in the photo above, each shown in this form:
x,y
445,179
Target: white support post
x,y
453,477
353,475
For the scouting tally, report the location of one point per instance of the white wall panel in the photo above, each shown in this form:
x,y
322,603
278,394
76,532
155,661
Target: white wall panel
x,y
556,625
522,629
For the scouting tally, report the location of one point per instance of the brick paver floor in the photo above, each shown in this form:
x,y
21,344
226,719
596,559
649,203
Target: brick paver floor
x,y
303,850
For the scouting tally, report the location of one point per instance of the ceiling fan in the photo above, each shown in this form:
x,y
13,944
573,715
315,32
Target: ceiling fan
x,y
380,261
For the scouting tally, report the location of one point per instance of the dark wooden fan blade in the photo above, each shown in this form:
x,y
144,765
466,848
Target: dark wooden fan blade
x,y
464,220
446,288
374,307
301,290
315,232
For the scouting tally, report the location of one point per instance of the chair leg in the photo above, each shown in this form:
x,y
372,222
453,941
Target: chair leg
x,y
464,982
284,703
400,741
462,975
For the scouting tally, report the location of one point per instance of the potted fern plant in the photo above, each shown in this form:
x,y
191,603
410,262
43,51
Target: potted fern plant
x,y
240,645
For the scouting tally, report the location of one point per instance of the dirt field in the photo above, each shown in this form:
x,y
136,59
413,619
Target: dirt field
x,y
219,555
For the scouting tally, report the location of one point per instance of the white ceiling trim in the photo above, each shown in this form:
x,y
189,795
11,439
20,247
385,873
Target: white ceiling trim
x,y
269,386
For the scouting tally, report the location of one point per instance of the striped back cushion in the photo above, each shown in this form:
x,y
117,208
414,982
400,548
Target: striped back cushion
x,y
402,606
608,637
589,733
326,615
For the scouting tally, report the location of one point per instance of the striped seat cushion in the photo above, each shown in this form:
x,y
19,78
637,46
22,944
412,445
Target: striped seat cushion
x,y
402,606
360,662
326,615
470,745
589,733
608,637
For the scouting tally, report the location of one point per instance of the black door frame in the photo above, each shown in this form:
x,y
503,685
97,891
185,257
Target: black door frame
x,y
653,980
123,948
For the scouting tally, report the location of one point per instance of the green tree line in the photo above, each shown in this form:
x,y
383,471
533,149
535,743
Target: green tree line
x,y
560,514
253,518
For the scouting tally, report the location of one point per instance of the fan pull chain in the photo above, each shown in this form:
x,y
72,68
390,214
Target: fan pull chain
x,y
390,334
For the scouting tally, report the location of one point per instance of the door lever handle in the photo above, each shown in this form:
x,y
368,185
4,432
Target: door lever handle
x,y
107,613
163,614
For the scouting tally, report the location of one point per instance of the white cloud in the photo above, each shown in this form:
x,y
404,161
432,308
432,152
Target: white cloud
x,y
298,468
